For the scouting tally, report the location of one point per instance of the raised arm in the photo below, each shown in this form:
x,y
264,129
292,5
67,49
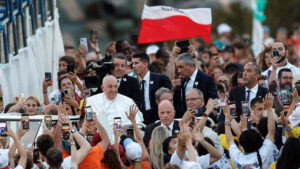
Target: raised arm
x,y
228,120
271,122
102,132
46,84
23,155
188,143
116,147
213,152
209,108
131,116
74,153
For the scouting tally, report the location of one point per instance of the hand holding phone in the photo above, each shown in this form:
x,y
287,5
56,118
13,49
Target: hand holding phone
x,y
83,41
48,76
48,122
93,36
66,131
25,121
36,155
3,128
70,68
118,123
183,45
88,112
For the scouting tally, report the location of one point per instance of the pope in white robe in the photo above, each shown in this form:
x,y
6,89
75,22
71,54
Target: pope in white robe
x,y
112,104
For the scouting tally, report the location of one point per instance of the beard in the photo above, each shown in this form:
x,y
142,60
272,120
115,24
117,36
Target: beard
x,y
287,85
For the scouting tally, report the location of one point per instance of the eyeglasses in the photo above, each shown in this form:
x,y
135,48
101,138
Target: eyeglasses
x,y
192,99
287,78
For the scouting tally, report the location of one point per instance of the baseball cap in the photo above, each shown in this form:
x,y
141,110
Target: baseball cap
x,y
266,29
152,49
228,48
222,28
133,149
4,158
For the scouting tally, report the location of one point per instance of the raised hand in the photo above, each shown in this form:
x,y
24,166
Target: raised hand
x,y
132,112
268,101
198,136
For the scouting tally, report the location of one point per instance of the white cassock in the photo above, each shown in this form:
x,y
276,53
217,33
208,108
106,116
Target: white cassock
x,y
113,108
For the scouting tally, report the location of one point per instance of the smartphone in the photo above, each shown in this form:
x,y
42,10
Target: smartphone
x,y
118,123
183,45
70,68
245,108
25,121
68,92
130,132
48,122
1,100
88,112
22,110
217,57
89,137
199,112
284,97
83,41
232,112
276,53
36,155
66,131
3,128
48,76
297,86
93,36
221,103
192,123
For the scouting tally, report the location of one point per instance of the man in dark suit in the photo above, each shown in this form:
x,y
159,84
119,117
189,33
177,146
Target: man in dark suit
x,y
250,90
191,77
166,113
149,84
127,85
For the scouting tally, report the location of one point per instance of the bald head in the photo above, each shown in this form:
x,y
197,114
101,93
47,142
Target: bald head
x,y
166,112
110,87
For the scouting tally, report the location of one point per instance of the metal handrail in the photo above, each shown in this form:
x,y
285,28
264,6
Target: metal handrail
x,y
15,20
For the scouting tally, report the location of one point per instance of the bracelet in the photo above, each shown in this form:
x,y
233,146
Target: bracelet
x,y
227,123
98,52
288,129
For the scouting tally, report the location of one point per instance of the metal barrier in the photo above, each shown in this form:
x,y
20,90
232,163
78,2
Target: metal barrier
x,y
19,20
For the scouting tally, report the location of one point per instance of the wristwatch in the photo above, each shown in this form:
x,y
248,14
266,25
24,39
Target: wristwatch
x,y
73,131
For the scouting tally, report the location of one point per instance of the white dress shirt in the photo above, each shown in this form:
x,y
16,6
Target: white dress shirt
x,y
170,127
191,82
113,108
146,90
253,92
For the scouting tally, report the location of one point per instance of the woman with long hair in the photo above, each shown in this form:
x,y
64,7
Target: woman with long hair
x,y
265,58
159,134
289,157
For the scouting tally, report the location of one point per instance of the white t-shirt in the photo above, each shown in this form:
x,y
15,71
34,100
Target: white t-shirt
x,y
222,163
240,160
295,70
19,167
203,161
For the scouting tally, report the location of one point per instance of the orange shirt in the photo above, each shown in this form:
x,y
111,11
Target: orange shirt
x,y
145,165
65,153
93,159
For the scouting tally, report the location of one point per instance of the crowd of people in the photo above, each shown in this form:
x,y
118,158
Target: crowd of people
x,y
195,106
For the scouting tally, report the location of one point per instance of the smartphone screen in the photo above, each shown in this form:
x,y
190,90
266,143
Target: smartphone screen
x,y
93,36
25,121
232,112
48,76
130,132
70,68
68,92
3,128
1,100
275,53
89,137
88,112
36,155
66,131
83,41
118,123
48,122
284,97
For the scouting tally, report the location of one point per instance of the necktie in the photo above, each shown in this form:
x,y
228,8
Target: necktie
x,y
142,87
248,95
184,83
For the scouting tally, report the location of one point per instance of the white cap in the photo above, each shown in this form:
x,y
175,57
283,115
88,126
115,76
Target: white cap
x,y
190,165
133,151
4,158
152,49
294,118
222,28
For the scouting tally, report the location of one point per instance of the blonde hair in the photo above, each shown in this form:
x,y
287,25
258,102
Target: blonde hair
x,y
35,99
159,134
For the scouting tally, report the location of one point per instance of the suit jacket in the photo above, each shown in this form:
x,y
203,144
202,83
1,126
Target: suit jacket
x,y
129,86
151,127
238,94
204,82
156,81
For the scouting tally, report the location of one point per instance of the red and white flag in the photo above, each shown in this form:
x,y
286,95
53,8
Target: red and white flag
x,y
164,23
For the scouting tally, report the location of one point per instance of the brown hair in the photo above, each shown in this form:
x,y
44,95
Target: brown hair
x,y
262,56
34,98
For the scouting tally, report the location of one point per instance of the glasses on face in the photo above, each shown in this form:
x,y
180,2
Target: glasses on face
x,y
287,78
192,99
